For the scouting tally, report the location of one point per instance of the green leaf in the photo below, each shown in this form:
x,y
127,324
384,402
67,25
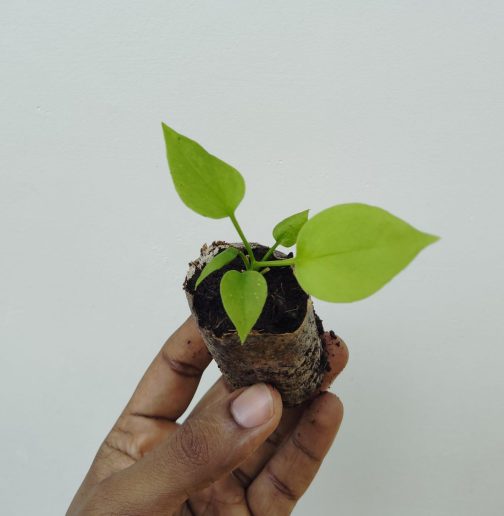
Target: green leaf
x,y
205,184
286,231
217,263
243,296
349,251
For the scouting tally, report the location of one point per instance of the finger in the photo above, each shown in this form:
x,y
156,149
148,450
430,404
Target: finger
x,y
207,446
128,441
227,499
171,380
251,467
337,353
247,471
290,471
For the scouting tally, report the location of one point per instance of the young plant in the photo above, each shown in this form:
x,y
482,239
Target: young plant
x,y
343,254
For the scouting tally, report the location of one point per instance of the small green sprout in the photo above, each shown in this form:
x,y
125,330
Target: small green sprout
x,y
343,254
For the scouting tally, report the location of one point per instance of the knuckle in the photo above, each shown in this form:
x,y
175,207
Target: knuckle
x,y
305,450
281,486
122,441
180,367
101,502
276,438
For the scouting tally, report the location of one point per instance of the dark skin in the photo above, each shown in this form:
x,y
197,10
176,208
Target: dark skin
x,y
211,464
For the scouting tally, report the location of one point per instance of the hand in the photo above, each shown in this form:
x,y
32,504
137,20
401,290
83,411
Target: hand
x,y
236,454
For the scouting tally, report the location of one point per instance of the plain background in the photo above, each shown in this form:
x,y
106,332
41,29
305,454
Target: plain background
x,y
398,104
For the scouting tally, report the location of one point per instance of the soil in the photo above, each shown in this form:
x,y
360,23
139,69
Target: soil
x,y
285,306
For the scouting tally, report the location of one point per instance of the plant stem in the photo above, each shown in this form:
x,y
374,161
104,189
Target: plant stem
x,y
245,259
271,250
243,238
276,263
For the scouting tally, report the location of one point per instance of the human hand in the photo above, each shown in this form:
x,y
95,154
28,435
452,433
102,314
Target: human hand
x,y
238,453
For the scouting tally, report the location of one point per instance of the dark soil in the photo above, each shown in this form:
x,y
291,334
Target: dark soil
x,y
285,307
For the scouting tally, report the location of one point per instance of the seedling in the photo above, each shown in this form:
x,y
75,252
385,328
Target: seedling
x,y
343,254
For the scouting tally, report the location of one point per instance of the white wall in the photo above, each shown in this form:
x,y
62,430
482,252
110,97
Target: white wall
x,y
394,103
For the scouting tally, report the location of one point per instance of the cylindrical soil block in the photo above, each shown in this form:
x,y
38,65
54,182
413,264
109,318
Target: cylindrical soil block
x,y
284,348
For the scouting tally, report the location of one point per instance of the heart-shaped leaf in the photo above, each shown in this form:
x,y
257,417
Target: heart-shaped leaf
x,y
243,296
286,232
205,184
217,263
349,251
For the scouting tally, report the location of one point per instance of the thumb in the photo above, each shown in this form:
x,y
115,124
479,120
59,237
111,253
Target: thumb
x,y
208,445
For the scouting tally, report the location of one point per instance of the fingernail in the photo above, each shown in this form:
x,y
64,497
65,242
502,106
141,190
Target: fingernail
x,y
253,407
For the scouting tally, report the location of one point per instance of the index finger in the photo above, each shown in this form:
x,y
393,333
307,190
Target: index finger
x,y
171,380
